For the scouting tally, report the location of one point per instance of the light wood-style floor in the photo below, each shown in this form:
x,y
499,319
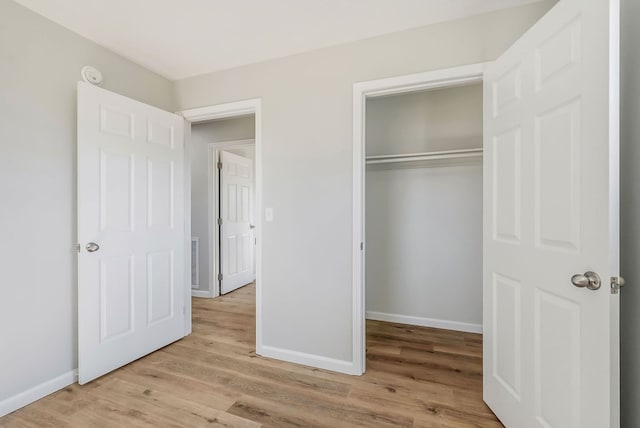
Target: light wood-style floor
x,y
416,376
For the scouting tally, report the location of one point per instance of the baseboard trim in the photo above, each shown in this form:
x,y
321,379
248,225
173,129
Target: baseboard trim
x,y
201,293
425,322
340,366
12,404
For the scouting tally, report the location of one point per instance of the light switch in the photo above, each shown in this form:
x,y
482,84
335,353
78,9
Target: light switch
x,y
268,214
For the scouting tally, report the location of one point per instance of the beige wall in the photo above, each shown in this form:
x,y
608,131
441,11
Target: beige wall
x,y
40,64
307,161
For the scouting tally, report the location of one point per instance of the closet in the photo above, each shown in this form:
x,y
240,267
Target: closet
x,y
423,215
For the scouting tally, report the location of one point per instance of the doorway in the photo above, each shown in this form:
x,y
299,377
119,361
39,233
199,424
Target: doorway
x,y
239,133
424,208
365,160
222,205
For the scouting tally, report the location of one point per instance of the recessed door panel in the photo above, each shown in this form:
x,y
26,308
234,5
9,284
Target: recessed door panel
x,y
557,380
507,90
557,178
558,55
116,282
116,187
116,122
506,329
160,285
507,186
160,193
160,134
232,202
232,259
244,207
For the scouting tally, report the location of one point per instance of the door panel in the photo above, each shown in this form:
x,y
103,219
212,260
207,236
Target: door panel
x,y
236,244
116,296
160,286
551,211
130,203
116,207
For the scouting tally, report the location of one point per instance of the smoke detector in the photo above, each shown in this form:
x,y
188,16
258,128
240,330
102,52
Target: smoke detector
x,y
91,75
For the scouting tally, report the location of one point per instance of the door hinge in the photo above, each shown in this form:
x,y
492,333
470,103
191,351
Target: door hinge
x,y
362,246
219,277
617,282
219,221
78,247
219,165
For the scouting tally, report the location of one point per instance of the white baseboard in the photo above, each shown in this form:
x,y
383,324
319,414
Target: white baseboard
x,y
425,322
201,293
37,392
340,366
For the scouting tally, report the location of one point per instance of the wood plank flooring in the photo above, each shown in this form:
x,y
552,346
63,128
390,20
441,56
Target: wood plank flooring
x,y
416,377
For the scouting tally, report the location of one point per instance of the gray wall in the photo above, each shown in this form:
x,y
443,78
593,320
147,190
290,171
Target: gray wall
x,y
307,162
630,218
40,64
445,119
424,219
201,135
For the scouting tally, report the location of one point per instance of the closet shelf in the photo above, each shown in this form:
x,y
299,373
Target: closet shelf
x,y
411,157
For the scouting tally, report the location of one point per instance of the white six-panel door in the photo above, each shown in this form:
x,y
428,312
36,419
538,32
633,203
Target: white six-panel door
x,y
551,211
236,238
131,205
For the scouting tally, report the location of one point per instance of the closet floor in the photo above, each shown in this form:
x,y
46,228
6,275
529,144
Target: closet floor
x,y
416,376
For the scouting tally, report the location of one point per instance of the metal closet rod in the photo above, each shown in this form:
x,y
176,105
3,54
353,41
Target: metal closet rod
x,y
445,154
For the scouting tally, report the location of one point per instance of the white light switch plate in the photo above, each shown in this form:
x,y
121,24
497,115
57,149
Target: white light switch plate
x,y
268,214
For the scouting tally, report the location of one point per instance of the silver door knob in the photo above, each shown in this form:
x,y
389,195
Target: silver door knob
x,y
252,226
590,280
92,247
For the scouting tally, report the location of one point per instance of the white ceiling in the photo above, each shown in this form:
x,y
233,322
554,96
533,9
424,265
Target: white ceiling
x,y
183,38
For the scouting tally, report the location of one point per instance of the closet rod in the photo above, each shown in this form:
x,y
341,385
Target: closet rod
x,y
445,154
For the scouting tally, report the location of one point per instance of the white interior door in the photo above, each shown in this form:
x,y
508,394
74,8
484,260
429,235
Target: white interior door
x,y
551,211
130,230
236,231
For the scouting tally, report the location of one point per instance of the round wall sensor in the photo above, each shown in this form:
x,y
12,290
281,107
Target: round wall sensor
x,y
91,75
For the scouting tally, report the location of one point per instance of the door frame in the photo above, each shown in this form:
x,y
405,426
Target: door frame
x,y
444,78
227,111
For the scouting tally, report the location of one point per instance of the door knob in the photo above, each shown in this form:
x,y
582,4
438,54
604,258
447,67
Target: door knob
x,y
252,226
92,247
591,280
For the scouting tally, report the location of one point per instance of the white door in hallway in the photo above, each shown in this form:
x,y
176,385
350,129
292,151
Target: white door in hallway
x,y
551,212
237,247
130,229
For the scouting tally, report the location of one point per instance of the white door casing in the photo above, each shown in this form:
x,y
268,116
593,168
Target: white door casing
x,y
236,242
131,202
551,211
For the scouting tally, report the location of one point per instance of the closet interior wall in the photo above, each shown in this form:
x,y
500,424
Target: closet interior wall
x,y
424,218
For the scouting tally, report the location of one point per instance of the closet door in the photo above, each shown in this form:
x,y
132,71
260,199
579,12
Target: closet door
x,y
551,222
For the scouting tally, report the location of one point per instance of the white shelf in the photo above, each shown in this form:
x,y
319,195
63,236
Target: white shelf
x,y
412,157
